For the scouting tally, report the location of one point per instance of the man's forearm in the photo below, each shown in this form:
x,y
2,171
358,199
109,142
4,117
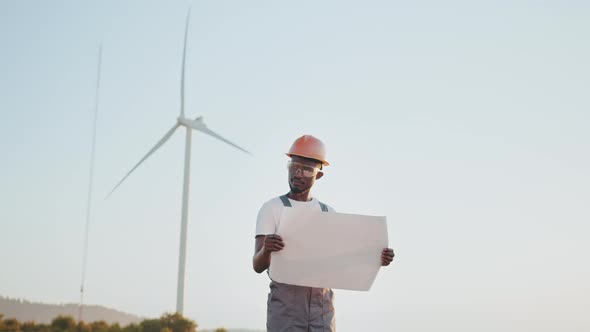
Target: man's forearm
x,y
261,261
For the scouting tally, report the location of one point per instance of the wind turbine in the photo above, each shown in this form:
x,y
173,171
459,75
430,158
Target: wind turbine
x,y
91,178
190,125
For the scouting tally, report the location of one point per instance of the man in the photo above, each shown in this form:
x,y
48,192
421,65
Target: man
x,y
290,307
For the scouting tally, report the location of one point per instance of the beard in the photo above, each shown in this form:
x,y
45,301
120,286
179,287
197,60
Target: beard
x,y
296,190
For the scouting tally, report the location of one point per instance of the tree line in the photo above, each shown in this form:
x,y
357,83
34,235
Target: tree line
x,y
166,323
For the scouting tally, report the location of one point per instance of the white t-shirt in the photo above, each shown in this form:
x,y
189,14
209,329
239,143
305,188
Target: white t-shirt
x,y
270,213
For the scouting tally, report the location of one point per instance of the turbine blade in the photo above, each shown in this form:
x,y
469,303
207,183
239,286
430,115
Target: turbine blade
x,y
200,126
90,185
156,147
188,16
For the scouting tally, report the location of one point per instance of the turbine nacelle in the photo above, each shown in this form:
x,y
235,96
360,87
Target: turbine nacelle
x,y
197,122
183,121
199,125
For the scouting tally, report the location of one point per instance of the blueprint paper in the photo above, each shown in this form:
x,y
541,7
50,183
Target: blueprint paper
x,y
329,250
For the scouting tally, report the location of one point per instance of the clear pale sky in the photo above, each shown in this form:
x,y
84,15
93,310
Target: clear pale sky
x,y
464,122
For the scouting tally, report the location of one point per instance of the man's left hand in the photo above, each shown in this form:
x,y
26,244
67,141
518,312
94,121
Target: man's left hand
x,y
386,256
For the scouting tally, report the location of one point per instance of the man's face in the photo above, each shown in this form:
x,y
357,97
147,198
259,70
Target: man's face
x,y
302,174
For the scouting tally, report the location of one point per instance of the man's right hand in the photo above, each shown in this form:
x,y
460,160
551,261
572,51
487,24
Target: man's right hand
x,y
263,247
273,242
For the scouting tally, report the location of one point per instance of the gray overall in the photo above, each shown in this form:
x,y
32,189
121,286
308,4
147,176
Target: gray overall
x,y
298,308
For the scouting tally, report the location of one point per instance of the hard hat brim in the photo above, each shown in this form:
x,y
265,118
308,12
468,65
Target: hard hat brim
x,y
325,163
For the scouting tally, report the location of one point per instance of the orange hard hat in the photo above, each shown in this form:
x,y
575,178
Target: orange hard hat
x,y
309,147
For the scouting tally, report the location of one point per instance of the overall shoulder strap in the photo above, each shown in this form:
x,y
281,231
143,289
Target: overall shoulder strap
x,y
285,200
323,206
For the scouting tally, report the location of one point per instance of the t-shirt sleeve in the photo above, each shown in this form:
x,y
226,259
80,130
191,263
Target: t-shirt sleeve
x,y
265,223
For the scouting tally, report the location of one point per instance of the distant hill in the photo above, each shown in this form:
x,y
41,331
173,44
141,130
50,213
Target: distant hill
x,y
25,311
44,313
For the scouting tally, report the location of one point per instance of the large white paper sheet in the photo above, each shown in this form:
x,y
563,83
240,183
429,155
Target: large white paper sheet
x,y
329,250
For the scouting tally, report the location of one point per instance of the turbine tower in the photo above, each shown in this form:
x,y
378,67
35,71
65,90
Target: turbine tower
x,y
190,125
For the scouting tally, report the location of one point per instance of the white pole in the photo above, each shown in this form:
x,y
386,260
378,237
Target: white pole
x,y
183,222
